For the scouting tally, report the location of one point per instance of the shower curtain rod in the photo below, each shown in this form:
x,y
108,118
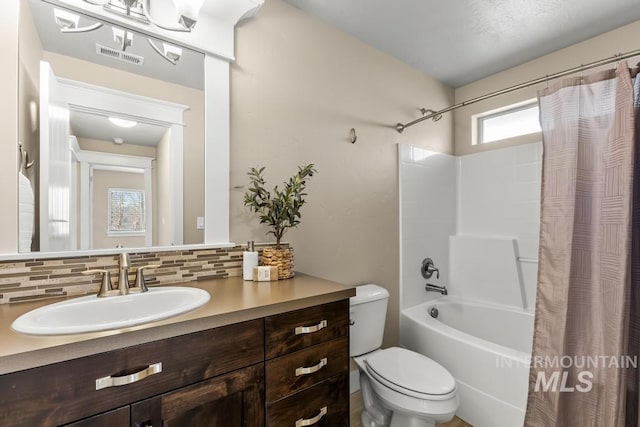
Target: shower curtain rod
x,y
435,115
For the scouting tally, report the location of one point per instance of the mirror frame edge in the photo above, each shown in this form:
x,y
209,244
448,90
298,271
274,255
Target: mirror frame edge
x,y
9,20
216,155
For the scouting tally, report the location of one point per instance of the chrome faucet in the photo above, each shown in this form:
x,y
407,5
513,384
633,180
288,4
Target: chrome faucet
x,y
436,288
123,274
124,287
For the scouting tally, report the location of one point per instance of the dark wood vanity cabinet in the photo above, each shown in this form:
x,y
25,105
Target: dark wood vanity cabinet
x,y
307,367
69,392
115,417
233,400
289,369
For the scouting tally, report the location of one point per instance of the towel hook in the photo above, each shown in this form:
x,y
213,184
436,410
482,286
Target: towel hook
x,y
352,136
24,158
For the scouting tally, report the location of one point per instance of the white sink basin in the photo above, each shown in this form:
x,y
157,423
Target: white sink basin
x,y
92,314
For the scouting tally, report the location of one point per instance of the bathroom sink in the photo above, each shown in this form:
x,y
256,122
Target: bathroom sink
x,y
92,314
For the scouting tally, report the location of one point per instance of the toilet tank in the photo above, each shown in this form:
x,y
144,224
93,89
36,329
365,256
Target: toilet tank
x,y
367,311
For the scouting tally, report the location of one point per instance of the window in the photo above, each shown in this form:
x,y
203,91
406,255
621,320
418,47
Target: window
x,y
126,212
509,122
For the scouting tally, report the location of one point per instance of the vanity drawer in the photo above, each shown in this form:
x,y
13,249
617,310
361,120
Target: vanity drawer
x,y
302,369
295,330
64,392
326,403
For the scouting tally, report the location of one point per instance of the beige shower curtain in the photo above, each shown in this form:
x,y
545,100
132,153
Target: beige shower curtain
x,y
586,326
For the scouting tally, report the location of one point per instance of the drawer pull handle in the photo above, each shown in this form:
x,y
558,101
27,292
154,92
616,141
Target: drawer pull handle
x,y
311,421
105,382
311,369
310,329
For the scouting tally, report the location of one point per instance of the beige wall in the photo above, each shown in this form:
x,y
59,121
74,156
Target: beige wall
x,y
102,181
297,88
9,123
623,39
84,71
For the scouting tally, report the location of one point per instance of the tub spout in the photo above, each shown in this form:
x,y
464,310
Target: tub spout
x,y
436,288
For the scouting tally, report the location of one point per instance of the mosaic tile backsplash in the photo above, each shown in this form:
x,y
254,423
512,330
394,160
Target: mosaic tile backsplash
x,y
32,279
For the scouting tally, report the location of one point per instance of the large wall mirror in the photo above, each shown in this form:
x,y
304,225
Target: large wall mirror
x,y
111,135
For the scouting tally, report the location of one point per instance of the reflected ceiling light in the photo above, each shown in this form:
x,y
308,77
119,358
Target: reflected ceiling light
x,y
122,122
68,22
118,141
170,53
187,10
123,38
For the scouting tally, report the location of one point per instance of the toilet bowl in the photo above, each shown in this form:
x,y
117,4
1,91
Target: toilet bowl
x,y
400,388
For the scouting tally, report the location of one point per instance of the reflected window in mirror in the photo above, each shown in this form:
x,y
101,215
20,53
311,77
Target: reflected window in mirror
x,y
126,212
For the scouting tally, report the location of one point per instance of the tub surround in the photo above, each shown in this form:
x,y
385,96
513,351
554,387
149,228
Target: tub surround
x,y
487,269
232,301
428,218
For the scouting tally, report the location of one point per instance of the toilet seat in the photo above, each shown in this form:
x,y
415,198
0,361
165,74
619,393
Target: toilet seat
x,y
411,374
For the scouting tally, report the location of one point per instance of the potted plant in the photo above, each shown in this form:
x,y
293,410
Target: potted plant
x,y
280,210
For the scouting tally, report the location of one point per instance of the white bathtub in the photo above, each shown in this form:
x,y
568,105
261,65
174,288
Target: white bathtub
x,y
487,349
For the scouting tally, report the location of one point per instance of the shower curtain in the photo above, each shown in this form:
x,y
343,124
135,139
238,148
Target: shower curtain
x,y
587,331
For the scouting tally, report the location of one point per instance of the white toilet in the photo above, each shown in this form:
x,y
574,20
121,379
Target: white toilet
x,y
400,388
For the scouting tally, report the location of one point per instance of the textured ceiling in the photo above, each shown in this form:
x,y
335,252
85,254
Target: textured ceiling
x,y
460,41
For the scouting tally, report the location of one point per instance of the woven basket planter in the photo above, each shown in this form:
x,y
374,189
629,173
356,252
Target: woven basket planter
x,y
281,258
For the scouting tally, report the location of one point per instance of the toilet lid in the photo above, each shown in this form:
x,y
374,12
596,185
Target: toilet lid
x,y
407,371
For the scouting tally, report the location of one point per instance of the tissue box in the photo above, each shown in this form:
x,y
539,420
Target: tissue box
x,y
265,273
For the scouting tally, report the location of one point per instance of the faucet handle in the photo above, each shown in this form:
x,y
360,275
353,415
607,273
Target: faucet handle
x,y
140,285
428,268
106,286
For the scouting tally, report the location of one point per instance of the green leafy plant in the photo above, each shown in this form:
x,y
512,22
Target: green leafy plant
x,y
279,209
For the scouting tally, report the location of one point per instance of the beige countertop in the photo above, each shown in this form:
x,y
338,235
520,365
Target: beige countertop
x,y
232,301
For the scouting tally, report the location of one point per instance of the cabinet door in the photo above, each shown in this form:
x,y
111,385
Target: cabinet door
x,y
324,405
295,330
234,399
296,371
117,418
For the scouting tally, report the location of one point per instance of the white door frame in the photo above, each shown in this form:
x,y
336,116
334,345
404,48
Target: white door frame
x,y
94,159
110,102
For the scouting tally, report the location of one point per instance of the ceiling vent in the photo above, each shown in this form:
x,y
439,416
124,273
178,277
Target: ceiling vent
x,y
119,55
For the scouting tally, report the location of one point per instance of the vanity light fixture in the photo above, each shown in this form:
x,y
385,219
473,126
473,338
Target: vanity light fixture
x,y
122,122
68,22
118,141
188,11
123,38
139,10
171,53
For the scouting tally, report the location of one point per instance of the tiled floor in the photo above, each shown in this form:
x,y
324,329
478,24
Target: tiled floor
x,y
356,410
